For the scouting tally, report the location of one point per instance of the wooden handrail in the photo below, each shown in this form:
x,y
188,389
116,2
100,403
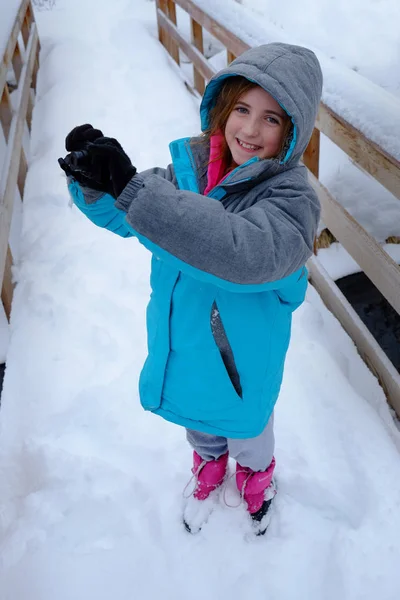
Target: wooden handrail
x,y
369,255
368,155
13,117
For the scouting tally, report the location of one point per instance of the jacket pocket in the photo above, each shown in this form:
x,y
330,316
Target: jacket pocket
x,y
225,350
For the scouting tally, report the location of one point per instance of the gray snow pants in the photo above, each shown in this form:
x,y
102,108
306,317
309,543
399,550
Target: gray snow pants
x,y
255,453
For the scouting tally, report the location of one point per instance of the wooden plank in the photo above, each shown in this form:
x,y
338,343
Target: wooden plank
x,y
23,169
311,154
6,112
197,41
161,7
29,110
17,62
12,40
11,168
35,70
7,289
29,13
217,29
373,260
31,19
174,48
25,29
166,38
192,53
372,158
369,349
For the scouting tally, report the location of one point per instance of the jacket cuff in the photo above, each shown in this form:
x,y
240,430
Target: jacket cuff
x,y
90,195
129,193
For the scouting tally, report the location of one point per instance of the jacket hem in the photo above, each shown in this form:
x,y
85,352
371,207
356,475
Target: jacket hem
x,y
205,427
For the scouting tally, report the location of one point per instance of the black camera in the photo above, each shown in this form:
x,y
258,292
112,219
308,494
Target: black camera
x,y
78,159
79,162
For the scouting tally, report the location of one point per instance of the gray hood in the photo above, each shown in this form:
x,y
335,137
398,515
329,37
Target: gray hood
x,y
291,74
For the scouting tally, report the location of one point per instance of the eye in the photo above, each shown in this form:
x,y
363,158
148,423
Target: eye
x,y
272,120
242,110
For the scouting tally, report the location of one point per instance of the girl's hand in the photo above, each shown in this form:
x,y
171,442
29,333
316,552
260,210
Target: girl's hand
x,y
107,154
77,163
80,136
96,161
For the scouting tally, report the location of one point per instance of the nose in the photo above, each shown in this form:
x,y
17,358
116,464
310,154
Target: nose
x,y
251,126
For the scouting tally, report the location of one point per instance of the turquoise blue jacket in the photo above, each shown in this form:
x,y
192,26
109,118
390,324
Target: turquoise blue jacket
x,y
227,269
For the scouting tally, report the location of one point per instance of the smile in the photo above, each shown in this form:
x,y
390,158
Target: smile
x,y
248,147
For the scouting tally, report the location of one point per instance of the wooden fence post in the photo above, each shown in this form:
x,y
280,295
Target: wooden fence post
x,y
6,112
161,5
197,41
7,288
311,153
173,46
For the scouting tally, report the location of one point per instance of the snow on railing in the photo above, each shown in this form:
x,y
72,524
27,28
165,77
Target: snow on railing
x,y
358,116
18,72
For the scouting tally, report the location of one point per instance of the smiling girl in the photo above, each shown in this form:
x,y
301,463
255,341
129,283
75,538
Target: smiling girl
x,y
256,125
230,224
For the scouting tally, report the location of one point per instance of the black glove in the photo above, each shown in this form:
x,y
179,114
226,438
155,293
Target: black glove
x,y
80,136
108,154
78,164
96,161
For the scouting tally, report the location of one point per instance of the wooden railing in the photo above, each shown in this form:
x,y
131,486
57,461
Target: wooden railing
x,y
370,256
20,64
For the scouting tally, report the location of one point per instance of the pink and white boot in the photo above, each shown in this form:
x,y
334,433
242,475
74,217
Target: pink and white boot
x,y
208,476
258,490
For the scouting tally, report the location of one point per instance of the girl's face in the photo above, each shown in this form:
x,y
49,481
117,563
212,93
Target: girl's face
x,y
255,127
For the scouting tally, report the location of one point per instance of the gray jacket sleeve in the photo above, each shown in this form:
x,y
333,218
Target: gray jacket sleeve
x,y
264,243
123,202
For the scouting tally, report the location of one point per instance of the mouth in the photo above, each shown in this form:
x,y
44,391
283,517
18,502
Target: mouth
x,y
248,147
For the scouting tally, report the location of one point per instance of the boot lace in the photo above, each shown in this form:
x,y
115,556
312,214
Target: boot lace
x,y
241,498
195,477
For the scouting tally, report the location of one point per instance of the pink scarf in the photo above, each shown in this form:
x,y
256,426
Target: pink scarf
x,y
216,166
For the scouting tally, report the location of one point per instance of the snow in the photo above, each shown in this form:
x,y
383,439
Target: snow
x,y
8,12
362,36
91,484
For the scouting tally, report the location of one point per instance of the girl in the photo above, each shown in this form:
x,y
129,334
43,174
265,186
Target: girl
x,y
230,224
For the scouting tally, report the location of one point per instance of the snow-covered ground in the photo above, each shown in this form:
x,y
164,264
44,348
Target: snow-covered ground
x,y
91,485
